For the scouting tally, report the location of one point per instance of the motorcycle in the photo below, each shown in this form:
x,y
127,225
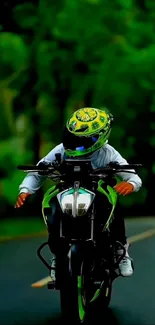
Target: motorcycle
x,y
86,265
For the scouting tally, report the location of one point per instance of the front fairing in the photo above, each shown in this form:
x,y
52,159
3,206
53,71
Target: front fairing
x,y
85,197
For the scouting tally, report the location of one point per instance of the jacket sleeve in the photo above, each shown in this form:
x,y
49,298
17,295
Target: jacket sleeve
x,y
134,179
33,181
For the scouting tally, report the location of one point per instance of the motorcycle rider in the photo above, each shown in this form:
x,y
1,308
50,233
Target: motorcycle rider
x,y
86,134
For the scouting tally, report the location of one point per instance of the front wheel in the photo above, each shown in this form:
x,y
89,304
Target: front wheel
x,y
79,291
73,303
72,297
80,297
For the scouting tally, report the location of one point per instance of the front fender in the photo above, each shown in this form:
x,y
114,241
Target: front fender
x,y
79,253
75,258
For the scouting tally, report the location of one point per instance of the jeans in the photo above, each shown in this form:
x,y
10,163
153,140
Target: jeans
x,y
117,227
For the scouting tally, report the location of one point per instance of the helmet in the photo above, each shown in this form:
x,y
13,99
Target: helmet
x,y
86,131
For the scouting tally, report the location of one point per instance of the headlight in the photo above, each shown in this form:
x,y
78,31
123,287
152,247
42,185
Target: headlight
x,y
75,204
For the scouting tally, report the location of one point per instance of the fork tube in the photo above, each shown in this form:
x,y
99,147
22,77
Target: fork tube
x,y
61,229
75,196
92,218
92,224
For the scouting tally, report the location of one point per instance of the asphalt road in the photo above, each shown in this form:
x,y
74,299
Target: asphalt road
x,y
133,299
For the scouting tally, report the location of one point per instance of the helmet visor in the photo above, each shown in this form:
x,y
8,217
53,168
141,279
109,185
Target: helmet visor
x,y
75,142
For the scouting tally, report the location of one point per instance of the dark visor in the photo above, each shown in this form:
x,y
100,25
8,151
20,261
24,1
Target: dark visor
x,y
73,142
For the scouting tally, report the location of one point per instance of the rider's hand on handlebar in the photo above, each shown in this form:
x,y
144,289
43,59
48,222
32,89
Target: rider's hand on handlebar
x,y
124,188
21,199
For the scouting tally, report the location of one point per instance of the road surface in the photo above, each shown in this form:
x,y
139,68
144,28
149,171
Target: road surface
x,y
133,299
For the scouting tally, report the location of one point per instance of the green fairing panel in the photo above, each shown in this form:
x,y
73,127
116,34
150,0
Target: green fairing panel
x,y
112,197
51,192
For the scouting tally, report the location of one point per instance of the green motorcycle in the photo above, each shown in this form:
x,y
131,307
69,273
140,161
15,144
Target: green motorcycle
x,y
87,264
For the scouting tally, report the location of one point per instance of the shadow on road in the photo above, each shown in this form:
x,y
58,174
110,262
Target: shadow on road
x,y
107,317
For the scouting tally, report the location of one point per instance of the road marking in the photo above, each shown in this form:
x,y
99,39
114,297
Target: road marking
x,y
133,239
41,283
146,234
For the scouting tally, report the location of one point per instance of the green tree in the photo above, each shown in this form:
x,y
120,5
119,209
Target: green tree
x,y
92,52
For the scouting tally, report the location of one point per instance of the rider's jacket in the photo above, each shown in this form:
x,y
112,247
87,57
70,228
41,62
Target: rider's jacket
x,y
99,159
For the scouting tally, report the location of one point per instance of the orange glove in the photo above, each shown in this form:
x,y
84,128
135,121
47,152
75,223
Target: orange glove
x,y
124,188
21,199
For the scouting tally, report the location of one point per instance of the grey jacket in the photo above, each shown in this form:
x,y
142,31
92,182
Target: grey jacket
x,y
99,159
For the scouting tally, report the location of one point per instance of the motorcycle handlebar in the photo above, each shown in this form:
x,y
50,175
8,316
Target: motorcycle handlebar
x,y
47,169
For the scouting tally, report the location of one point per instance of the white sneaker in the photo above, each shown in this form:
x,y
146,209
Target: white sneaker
x,y
52,272
126,264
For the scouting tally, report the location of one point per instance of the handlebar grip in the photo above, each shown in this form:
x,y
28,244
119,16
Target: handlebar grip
x,y
129,166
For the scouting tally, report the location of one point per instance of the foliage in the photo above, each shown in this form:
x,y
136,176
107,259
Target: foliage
x,y
70,53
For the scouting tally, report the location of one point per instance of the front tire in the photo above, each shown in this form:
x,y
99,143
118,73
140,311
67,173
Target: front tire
x,y
72,300
71,288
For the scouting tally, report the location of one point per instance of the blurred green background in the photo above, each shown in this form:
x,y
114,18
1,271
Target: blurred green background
x,y
58,56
